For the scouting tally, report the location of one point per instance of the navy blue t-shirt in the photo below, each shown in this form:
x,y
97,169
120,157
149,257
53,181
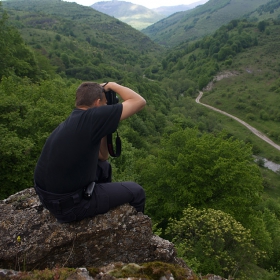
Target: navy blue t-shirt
x,y
69,158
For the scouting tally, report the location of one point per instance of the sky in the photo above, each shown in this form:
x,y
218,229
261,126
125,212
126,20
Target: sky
x,y
146,3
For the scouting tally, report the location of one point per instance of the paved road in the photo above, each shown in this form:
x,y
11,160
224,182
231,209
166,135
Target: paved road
x,y
255,131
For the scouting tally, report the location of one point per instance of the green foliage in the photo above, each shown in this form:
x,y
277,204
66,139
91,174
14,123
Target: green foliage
x,y
219,243
76,49
15,56
199,22
261,26
29,112
201,170
270,213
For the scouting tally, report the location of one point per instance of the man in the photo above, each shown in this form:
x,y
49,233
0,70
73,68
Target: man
x,y
74,157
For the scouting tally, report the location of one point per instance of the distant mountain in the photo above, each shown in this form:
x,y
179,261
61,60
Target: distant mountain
x,y
169,10
137,16
200,21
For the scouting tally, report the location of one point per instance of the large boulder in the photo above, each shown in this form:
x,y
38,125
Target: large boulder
x,y
31,238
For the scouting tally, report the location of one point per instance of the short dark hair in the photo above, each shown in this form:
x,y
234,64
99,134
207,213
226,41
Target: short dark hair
x,y
87,93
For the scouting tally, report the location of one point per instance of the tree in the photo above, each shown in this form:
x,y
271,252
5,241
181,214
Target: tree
x,y
201,170
262,26
15,56
28,114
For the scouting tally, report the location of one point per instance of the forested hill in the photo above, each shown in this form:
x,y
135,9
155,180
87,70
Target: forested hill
x,y
78,39
201,21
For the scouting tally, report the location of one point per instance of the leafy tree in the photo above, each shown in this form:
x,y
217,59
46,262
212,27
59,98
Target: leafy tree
x,y
203,81
215,239
269,213
201,170
28,114
224,52
262,26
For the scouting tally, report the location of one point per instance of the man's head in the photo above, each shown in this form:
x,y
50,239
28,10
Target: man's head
x,y
90,94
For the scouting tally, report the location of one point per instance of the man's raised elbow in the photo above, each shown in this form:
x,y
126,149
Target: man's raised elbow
x,y
143,103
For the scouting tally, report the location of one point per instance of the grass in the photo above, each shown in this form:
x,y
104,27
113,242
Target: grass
x,y
254,94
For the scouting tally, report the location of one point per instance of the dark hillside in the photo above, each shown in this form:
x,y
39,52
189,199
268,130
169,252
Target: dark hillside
x,y
201,21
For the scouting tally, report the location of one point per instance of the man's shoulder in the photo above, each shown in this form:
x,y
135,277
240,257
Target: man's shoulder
x,y
106,109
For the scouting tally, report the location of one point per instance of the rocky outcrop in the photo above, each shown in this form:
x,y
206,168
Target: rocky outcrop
x,y
31,238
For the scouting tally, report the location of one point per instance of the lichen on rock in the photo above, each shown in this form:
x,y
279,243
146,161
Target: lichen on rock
x,y
31,238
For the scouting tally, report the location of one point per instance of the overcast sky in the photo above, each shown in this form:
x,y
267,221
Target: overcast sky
x,y
147,3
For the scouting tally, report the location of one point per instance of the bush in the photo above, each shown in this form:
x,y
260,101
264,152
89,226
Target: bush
x,y
217,242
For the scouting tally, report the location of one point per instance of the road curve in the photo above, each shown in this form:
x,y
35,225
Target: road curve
x,y
255,131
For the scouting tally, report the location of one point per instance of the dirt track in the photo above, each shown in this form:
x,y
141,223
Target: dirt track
x,y
255,131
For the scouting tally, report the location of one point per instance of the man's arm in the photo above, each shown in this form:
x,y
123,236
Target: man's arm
x,y
103,150
132,101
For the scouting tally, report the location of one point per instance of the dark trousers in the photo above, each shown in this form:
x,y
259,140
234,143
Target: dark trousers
x,y
106,196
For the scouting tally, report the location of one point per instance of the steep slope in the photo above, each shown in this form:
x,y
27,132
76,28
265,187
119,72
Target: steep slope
x,y
135,15
201,21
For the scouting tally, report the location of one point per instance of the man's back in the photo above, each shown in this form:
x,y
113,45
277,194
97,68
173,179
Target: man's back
x,y
69,158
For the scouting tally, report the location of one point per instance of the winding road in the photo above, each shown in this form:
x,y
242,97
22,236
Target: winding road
x,y
255,131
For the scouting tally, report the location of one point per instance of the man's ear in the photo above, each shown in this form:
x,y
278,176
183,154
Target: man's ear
x,y
96,103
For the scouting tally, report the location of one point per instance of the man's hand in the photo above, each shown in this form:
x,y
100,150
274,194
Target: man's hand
x,y
132,101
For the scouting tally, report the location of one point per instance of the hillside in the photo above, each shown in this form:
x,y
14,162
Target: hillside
x,y
249,49
201,21
79,40
252,93
271,10
135,15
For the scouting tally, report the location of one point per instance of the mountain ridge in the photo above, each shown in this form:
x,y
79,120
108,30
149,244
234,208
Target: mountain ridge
x,y
135,15
139,16
200,21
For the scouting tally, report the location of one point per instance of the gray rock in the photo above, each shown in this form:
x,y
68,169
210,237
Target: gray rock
x,y
31,238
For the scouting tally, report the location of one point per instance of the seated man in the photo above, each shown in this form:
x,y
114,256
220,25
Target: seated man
x,y
75,157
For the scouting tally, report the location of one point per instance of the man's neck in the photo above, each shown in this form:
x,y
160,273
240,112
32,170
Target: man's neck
x,y
83,107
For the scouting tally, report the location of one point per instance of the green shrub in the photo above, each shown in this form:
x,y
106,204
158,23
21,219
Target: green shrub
x,y
217,242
